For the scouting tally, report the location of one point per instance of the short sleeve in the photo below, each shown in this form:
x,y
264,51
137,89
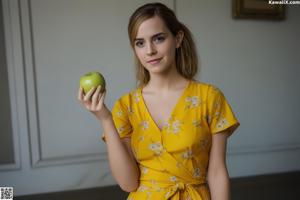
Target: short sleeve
x,y
220,116
121,118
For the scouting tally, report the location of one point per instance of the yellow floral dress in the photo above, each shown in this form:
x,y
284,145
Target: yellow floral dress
x,y
173,161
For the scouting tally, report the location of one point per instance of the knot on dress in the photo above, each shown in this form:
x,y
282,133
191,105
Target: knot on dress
x,y
180,185
175,191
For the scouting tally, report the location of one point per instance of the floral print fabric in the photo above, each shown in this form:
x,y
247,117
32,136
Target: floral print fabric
x,y
173,161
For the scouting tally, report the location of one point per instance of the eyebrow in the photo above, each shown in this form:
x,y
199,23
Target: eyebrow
x,y
153,36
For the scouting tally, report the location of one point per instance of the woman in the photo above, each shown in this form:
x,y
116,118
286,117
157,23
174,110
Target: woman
x,y
167,138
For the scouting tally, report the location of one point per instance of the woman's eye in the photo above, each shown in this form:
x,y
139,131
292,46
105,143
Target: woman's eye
x,y
139,43
159,39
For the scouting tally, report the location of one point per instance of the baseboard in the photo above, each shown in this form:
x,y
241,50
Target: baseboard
x,y
273,186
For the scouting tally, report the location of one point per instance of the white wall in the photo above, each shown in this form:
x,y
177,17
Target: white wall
x,y
50,43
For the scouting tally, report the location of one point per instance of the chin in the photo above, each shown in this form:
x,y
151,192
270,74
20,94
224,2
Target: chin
x,y
159,71
160,68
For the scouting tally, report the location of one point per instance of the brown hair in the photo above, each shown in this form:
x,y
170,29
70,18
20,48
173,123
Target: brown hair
x,y
186,54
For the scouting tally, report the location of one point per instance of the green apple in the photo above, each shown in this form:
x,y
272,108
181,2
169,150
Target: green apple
x,y
92,79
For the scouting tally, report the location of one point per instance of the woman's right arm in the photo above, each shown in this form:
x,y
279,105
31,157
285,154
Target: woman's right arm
x,y
121,160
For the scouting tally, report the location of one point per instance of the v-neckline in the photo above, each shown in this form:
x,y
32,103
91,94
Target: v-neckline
x,y
172,111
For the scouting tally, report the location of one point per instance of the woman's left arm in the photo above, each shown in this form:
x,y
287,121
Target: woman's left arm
x,y
217,175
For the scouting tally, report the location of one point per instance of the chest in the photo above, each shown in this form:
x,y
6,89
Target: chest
x,y
160,108
181,122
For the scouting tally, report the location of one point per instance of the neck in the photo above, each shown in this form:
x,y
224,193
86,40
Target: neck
x,y
166,82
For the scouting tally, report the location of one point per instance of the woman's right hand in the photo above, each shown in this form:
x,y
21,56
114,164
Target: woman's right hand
x,y
94,102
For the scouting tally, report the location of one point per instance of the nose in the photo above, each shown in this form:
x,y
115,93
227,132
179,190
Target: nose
x,y
151,50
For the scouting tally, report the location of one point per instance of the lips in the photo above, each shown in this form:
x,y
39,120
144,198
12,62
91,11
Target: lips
x,y
154,61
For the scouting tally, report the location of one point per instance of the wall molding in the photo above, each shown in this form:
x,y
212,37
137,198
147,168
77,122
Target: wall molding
x,y
37,160
242,150
11,31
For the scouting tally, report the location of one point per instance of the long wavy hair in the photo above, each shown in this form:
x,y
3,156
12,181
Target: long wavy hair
x,y
186,55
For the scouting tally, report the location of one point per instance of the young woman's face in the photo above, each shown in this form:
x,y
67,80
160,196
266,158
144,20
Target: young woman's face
x,y
155,46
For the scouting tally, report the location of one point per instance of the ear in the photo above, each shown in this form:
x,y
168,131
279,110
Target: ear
x,y
179,38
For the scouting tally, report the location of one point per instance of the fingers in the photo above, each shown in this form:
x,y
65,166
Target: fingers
x,y
95,98
88,95
101,101
80,94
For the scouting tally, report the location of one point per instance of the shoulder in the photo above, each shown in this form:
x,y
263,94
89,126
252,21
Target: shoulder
x,y
129,97
204,88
